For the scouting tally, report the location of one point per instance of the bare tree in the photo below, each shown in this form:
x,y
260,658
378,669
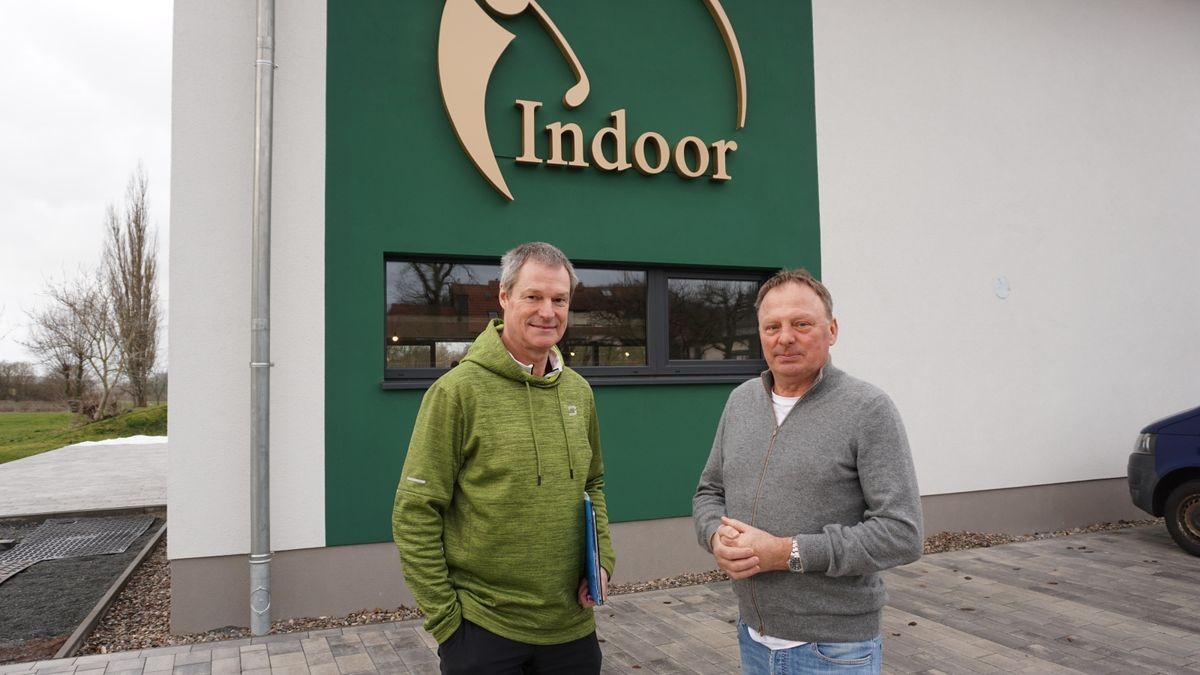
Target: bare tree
x,y
16,380
158,384
131,267
58,338
98,312
88,310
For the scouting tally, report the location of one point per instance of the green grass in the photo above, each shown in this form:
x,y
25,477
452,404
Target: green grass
x,y
26,434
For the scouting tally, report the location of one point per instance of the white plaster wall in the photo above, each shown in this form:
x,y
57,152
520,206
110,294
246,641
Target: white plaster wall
x,y
1054,143
211,188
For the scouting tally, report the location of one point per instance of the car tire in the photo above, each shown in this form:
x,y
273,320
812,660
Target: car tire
x,y
1183,516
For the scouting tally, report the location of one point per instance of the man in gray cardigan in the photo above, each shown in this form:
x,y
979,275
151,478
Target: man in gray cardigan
x,y
808,494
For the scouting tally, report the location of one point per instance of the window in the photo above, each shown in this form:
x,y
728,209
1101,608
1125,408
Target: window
x,y
712,319
627,324
607,324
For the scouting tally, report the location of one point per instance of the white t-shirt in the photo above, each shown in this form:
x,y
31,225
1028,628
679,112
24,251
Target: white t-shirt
x,y
783,405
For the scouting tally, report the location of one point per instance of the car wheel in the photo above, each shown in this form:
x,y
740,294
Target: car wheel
x,y
1183,516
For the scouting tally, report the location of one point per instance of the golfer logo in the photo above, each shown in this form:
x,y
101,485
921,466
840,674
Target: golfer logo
x,y
470,42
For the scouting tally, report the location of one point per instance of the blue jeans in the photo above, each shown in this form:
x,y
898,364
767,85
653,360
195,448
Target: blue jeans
x,y
814,657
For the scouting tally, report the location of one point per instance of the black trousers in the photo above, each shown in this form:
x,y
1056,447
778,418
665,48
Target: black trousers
x,y
472,650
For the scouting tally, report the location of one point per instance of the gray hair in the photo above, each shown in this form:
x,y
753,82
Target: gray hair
x,y
537,251
801,277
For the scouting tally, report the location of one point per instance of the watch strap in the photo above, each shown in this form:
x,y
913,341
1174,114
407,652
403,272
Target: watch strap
x,y
795,563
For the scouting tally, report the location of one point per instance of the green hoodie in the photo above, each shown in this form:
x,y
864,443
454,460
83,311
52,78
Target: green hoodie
x,y
489,511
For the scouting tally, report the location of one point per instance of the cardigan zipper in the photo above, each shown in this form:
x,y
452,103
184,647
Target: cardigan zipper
x,y
754,517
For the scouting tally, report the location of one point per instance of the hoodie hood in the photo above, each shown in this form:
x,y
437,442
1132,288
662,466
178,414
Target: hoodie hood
x,y
489,351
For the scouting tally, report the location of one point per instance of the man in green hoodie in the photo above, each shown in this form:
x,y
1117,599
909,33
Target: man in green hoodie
x,y
488,515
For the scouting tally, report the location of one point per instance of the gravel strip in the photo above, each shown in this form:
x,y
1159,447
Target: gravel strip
x,y
140,618
42,605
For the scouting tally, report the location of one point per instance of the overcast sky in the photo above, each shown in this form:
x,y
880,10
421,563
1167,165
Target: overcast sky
x,y
85,94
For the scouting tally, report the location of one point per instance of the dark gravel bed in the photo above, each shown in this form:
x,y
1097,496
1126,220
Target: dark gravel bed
x,y
140,618
42,605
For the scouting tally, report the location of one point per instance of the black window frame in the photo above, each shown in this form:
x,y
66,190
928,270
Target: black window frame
x,y
659,368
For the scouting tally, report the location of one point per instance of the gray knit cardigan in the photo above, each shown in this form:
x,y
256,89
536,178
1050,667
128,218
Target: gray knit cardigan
x,y
838,473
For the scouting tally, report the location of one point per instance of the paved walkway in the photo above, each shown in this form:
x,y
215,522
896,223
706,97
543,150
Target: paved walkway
x,y
1126,601
85,478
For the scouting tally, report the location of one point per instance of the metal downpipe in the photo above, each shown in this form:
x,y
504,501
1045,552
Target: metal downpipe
x,y
260,329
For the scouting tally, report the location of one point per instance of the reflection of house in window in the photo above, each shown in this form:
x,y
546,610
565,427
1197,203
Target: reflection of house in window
x,y
608,323
435,309
433,330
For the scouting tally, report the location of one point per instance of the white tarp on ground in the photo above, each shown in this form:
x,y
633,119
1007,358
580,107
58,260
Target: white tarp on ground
x,y
129,440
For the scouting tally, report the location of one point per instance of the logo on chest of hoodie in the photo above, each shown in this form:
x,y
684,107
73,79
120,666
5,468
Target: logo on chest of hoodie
x,y
572,410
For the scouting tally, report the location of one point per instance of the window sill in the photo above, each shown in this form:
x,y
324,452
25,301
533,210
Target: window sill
x,y
604,381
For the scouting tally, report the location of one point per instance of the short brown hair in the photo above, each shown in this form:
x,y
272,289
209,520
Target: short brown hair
x,y
799,276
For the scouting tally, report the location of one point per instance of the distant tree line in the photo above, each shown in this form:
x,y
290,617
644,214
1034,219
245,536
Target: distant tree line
x,y
97,338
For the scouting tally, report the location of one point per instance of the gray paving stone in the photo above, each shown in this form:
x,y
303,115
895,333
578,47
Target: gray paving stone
x,y
227,666
405,640
290,670
134,665
294,659
87,661
417,656
317,652
383,655
161,662
255,660
248,649
355,663
281,637
55,668
225,653
202,668
188,658
54,663
345,645
181,649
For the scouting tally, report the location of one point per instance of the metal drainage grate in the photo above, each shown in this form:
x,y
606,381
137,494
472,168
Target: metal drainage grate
x,y
71,538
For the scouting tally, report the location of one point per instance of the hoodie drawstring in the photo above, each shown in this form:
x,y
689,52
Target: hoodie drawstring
x,y
537,451
566,436
533,432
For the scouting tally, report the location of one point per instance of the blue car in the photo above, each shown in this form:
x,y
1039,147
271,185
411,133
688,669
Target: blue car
x,y
1164,475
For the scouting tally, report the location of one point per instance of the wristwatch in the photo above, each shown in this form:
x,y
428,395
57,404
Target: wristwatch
x,y
795,564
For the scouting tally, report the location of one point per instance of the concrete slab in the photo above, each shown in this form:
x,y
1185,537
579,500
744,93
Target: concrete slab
x,y
85,478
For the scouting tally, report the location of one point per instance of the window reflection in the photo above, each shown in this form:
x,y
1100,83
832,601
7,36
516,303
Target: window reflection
x,y
712,319
608,319
435,310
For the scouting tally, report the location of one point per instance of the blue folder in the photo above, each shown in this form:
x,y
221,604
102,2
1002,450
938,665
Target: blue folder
x,y
591,556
